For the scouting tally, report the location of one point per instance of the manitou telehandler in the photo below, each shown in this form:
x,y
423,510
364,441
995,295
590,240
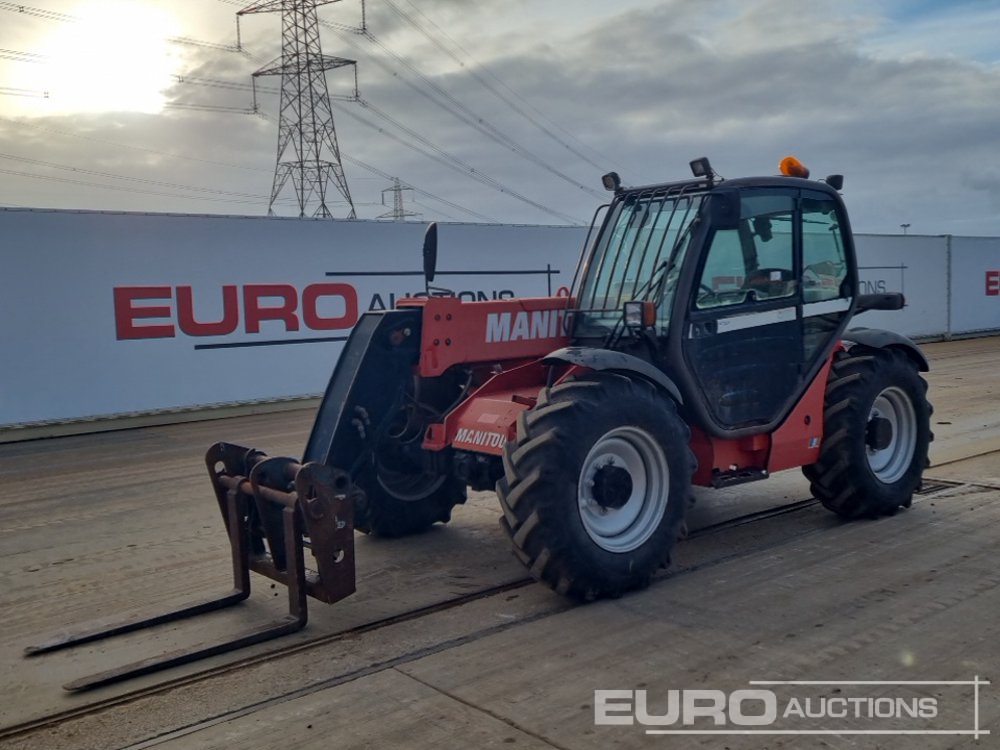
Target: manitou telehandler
x,y
704,341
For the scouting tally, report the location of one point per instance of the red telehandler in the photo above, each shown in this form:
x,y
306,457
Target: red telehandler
x,y
705,341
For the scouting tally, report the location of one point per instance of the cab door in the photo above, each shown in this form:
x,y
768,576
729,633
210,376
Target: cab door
x,y
770,299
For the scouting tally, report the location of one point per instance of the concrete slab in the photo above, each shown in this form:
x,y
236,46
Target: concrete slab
x,y
124,521
965,391
407,714
907,598
800,597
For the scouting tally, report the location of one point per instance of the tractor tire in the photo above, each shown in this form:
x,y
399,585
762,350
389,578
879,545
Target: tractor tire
x,y
876,434
596,485
388,510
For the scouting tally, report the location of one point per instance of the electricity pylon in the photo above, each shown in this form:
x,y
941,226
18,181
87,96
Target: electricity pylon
x,y
398,212
306,117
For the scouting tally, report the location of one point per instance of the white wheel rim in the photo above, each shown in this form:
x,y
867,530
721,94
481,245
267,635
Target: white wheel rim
x,y
890,463
628,527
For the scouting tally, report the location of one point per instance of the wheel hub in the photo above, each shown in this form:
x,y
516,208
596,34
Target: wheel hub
x,y
878,436
891,435
623,490
612,486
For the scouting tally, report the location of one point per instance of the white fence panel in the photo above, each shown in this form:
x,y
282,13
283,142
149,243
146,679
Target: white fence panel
x,y
116,313
112,313
917,266
975,284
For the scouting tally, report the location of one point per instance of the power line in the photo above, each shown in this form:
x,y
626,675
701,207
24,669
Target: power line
x,y
27,10
172,155
506,99
196,106
385,175
476,174
186,157
17,56
464,113
439,155
221,84
470,118
442,155
30,93
32,57
458,165
189,41
483,126
51,15
127,189
438,211
420,191
251,87
113,176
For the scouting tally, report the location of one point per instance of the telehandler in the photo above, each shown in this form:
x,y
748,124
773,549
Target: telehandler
x,y
704,341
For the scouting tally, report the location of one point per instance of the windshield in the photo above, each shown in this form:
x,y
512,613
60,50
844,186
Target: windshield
x,y
637,257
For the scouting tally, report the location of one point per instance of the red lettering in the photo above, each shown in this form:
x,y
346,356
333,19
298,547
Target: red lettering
x,y
993,283
126,313
255,313
190,326
279,302
315,321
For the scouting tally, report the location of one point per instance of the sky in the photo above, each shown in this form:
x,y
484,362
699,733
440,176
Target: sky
x,y
510,111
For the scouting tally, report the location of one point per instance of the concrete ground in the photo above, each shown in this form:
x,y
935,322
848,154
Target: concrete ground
x,y
124,522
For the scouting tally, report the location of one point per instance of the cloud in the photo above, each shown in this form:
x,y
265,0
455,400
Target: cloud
x,y
643,87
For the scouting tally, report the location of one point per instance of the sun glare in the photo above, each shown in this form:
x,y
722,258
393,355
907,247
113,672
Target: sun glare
x,y
116,58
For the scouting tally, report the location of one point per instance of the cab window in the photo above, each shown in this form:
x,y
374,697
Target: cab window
x,y
824,266
754,262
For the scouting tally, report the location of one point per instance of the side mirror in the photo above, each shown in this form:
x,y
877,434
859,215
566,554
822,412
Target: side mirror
x,y
430,253
890,301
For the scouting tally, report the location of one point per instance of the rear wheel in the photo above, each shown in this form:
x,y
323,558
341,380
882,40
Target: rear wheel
x,y
596,485
876,434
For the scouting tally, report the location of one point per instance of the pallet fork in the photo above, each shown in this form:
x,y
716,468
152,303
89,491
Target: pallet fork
x,y
273,508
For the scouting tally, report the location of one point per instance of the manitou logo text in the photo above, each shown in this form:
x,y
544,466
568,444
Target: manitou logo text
x,y
479,437
525,326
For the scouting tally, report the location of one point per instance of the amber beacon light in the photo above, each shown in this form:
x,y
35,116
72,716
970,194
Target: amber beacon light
x,y
792,167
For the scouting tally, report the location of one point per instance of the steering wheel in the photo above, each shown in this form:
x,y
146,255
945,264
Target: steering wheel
x,y
706,295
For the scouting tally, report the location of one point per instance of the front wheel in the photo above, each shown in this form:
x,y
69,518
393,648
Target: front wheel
x,y
876,434
596,485
403,493
396,504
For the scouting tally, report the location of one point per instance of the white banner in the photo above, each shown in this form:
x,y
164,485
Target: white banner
x,y
975,284
111,313
115,313
917,266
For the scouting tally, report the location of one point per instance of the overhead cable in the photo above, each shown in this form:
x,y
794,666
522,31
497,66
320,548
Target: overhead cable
x,y
486,72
